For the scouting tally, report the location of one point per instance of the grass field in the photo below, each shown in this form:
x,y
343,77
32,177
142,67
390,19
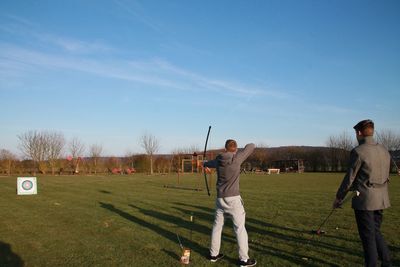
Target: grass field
x,y
133,221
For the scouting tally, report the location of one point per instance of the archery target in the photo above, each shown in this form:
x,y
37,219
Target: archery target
x,y
26,186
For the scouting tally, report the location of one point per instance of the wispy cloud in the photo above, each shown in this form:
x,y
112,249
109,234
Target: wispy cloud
x,y
24,28
111,69
20,20
72,55
171,41
88,57
175,45
154,72
219,85
74,45
133,8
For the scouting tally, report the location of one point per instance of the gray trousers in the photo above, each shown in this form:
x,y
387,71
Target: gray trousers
x,y
232,206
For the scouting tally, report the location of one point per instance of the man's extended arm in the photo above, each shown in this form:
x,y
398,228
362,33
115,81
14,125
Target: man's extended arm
x,y
210,164
242,155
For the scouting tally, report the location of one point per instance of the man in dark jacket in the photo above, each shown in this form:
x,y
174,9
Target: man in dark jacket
x,y
368,174
229,200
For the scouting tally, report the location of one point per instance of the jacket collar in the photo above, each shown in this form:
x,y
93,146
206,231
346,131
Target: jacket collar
x,y
367,140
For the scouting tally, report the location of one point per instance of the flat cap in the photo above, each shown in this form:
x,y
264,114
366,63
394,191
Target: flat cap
x,y
363,124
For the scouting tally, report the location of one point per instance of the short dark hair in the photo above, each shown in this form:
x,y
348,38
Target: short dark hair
x,y
230,145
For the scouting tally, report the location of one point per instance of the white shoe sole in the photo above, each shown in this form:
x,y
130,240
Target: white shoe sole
x,y
217,259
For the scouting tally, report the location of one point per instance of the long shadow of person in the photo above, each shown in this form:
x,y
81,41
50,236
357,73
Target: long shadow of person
x,y
294,258
293,237
9,258
177,220
195,247
395,251
263,224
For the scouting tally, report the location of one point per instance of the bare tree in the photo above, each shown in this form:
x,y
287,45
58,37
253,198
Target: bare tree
x,y
56,143
189,150
151,145
258,159
347,141
343,141
76,148
340,146
389,139
161,164
175,162
95,153
34,145
130,157
7,160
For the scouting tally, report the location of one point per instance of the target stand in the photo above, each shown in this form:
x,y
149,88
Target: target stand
x,y
26,186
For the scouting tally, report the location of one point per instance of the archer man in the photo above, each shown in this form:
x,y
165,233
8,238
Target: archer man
x,y
229,201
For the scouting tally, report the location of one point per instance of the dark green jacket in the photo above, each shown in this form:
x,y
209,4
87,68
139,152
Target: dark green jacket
x,y
368,173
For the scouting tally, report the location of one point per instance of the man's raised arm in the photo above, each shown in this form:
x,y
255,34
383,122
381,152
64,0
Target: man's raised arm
x,y
243,154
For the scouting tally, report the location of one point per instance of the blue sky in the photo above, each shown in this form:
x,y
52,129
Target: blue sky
x,y
270,72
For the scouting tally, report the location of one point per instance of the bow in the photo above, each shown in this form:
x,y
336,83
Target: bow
x,y
204,157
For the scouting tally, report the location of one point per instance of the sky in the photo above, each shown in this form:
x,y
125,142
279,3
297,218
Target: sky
x,y
274,73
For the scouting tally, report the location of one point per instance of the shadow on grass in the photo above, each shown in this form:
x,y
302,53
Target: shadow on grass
x,y
104,191
395,251
171,254
9,258
248,220
295,258
290,236
178,221
159,230
183,225
263,224
169,186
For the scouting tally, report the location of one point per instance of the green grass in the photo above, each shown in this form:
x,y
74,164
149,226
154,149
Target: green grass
x,y
133,221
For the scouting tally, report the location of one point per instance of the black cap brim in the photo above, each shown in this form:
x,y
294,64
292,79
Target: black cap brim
x,y
363,124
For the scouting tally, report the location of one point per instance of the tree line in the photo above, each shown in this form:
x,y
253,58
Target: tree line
x,y
334,157
45,153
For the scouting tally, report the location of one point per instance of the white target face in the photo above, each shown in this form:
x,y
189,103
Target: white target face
x,y
26,186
